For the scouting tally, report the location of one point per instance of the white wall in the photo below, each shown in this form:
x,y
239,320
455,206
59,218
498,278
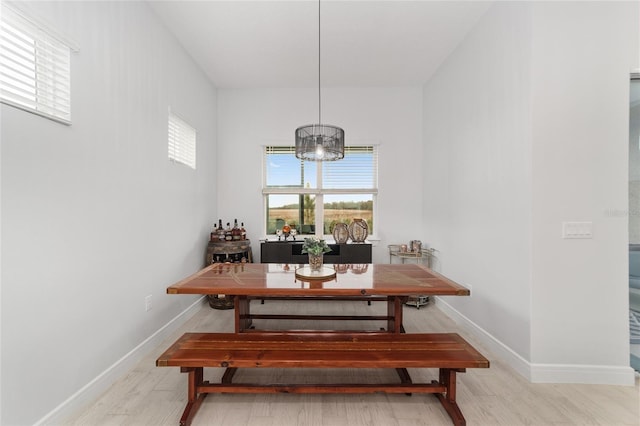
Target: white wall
x,y
583,54
477,163
94,216
390,117
532,131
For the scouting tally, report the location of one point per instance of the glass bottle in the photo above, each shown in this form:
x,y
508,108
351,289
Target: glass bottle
x,y
220,230
235,232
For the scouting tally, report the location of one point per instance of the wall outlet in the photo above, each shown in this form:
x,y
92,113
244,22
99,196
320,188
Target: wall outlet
x,y
147,303
577,230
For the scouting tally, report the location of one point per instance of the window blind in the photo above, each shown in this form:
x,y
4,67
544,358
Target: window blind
x,y
358,170
182,141
35,69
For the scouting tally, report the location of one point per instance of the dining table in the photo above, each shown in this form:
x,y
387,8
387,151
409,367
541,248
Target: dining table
x,y
390,283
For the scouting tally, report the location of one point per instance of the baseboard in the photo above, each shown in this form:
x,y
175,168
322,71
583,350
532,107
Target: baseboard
x,y
497,348
583,374
541,373
101,383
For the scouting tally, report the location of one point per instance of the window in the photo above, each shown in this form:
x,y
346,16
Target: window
x,y
182,141
34,67
314,196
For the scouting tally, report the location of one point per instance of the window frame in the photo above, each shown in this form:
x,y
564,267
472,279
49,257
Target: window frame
x,y
319,192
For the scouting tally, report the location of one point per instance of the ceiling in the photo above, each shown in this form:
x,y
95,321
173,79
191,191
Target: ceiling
x,y
266,44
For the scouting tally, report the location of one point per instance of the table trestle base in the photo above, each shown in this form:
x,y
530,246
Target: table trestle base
x,y
244,318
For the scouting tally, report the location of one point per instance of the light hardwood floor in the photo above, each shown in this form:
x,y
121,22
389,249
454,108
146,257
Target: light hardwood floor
x,y
150,395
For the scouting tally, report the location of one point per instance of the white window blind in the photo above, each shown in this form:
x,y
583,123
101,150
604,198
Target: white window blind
x,y
35,70
358,170
182,141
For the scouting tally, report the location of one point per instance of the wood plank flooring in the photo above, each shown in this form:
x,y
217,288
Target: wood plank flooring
x,y
149,395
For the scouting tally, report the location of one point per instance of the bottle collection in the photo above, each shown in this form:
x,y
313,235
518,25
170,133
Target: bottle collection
x,y
235,233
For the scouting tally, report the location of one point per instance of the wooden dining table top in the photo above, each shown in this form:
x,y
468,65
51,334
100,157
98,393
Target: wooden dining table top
x,y
267,279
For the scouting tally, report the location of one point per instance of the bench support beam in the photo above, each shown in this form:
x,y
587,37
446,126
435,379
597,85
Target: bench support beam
x,y
444,389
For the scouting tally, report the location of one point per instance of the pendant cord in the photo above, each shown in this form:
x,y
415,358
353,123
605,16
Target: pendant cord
x,y
319,71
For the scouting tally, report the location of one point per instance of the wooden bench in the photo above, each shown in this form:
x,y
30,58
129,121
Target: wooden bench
x,y
446,351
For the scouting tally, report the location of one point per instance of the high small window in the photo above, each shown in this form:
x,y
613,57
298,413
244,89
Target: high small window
x,y
35,69
314,196
182,141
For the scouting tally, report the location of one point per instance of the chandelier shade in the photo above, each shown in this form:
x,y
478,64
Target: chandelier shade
x,y
319,142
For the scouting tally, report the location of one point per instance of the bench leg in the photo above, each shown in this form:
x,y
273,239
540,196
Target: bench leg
x,y
194,400
448,401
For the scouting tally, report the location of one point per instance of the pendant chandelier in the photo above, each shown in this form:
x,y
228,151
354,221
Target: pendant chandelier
x,y
319,142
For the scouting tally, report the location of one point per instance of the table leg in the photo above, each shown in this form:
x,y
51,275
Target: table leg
x,y
394,314
243,320
228,374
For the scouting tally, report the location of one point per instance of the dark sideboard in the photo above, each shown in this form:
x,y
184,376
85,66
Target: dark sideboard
x,y
291,252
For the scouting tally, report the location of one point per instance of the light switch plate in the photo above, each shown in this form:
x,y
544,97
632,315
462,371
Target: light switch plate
x,y
577,230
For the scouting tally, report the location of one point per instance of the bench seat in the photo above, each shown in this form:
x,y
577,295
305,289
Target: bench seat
x,y
446,351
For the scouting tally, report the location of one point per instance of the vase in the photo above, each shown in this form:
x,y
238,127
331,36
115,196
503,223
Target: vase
x,y
315,262
358,230
341,233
